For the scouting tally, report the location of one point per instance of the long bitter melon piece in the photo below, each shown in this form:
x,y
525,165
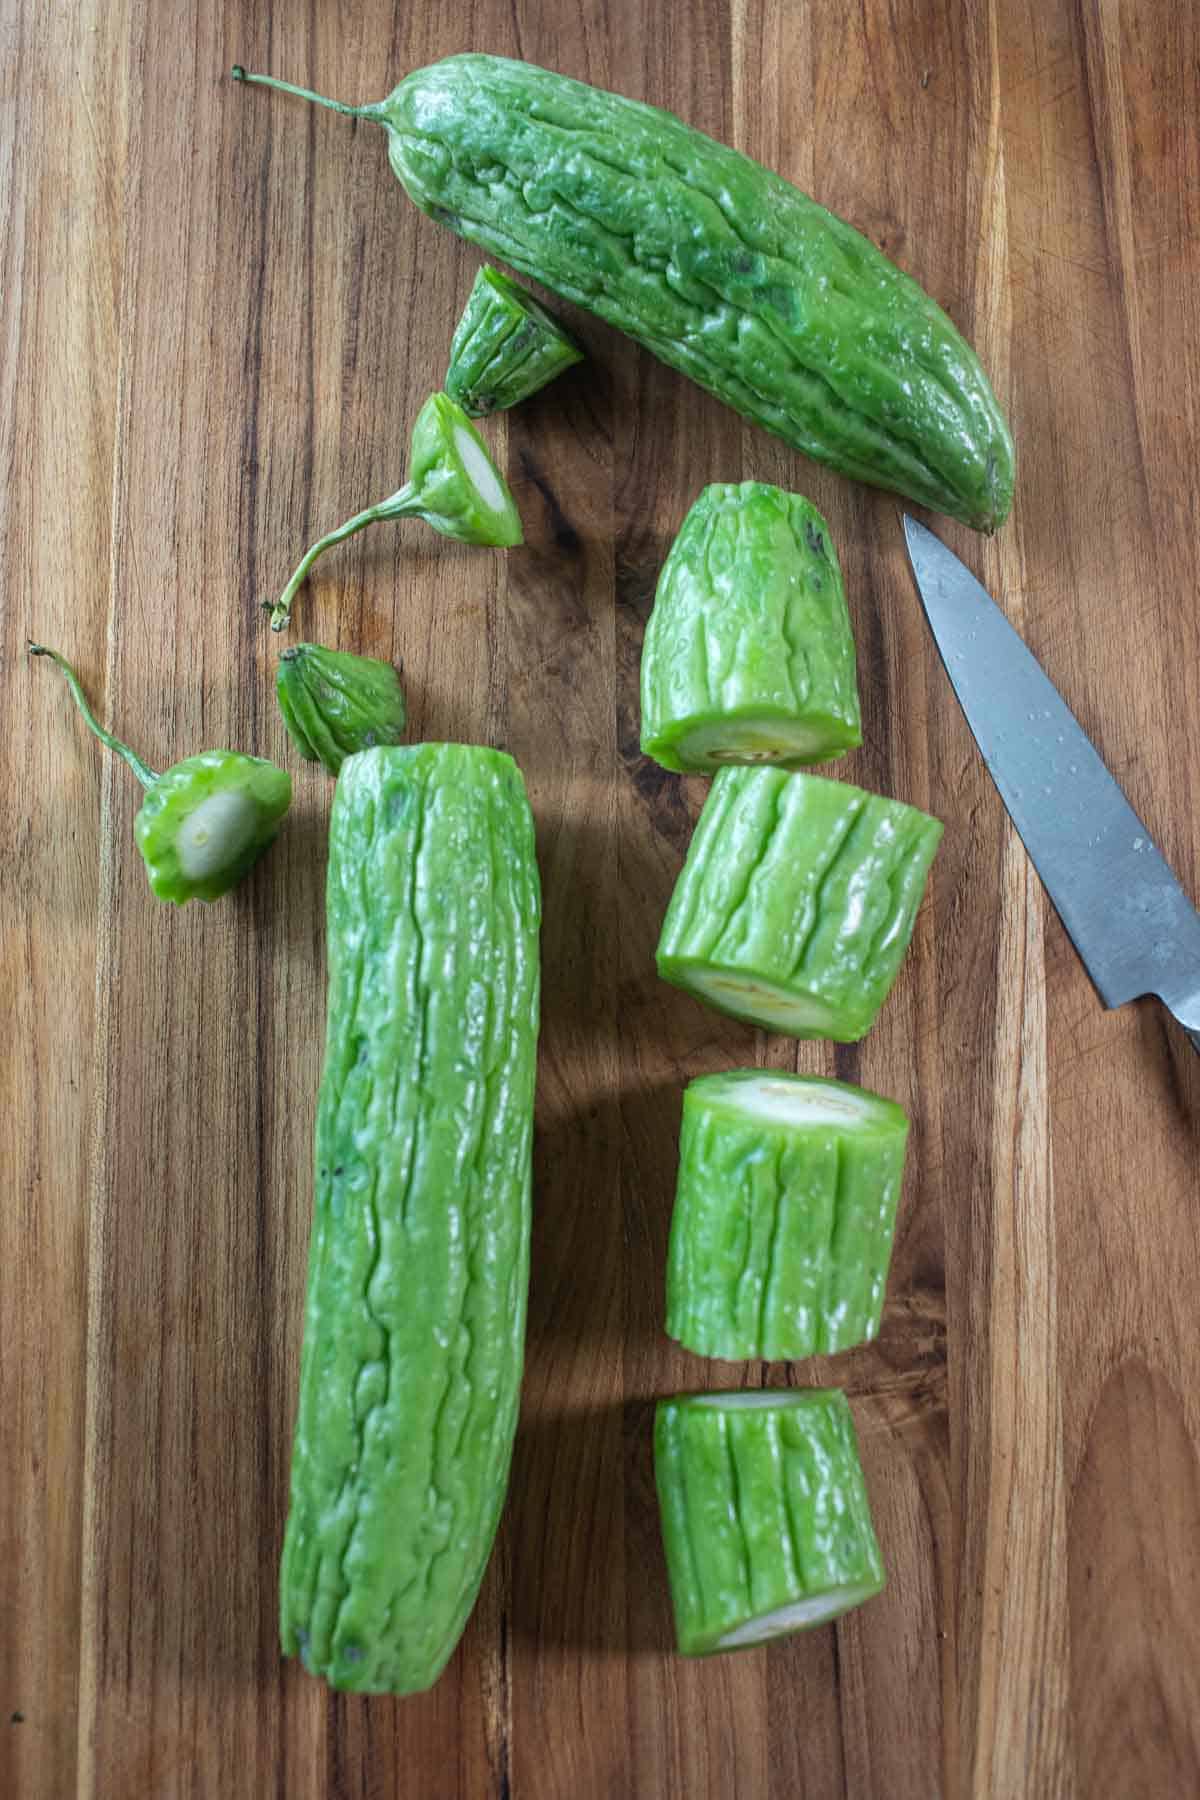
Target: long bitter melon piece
x,y
717,266
749,656
415,1318
765,1518
784,1213
797,901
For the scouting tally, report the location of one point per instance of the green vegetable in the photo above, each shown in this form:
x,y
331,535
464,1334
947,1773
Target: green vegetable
x,y
765,1518
720,268
335,704
784,1213
796,902
206,821
749,656
415,1320
507,346
453,485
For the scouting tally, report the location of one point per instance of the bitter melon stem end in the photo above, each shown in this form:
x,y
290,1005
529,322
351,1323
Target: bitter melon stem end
x,y
397,506
301,93
145,775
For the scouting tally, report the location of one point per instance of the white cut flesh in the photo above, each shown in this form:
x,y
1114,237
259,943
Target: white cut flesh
x,y
753,1399
215,834
750,741
756,1000
814,1609
778,1101
482,476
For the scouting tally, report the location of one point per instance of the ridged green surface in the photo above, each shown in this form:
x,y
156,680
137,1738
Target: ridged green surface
x,y
719,267
505,348
763,1509
748,655
784,1213
796,902
415,1317
335,704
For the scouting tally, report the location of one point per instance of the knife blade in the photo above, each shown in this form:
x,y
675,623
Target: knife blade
x,y
1133,926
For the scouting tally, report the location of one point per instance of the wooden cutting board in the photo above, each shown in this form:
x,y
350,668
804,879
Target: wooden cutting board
x,y
220,316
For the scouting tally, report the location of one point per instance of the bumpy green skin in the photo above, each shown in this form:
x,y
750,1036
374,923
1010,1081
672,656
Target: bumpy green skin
x,y
782,1231
507,346
415,1318
335,704
762,1507
748,655
796,902
261,795
719,267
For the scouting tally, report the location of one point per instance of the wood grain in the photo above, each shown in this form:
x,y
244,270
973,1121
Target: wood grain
x,y
219,316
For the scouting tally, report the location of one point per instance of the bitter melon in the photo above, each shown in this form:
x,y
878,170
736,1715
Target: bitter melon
x,y
415,1317
784,1212
453,485
334,703
748,655
716,265
765,1518
506,347
796,901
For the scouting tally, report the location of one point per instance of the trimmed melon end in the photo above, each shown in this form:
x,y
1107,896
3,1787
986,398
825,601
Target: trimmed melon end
x,y
800,1615
779,1097
762,1003
702,746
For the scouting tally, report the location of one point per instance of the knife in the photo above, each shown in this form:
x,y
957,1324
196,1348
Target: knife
x,y
1135,929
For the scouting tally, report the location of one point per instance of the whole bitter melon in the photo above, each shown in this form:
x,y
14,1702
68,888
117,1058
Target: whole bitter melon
x,y
721,268
749,656
415,1317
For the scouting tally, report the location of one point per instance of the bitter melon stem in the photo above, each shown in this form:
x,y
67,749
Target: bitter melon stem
x,y
145,775
396,506
289,87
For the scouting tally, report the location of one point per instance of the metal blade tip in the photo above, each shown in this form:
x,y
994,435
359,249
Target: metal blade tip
x,y
917,535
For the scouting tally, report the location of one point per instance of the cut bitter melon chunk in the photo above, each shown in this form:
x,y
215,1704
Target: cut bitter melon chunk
x,y
785,1210
749,656
797,901
765,1518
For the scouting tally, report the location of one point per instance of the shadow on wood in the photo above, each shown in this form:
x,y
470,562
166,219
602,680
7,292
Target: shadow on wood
x,y
587,1569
